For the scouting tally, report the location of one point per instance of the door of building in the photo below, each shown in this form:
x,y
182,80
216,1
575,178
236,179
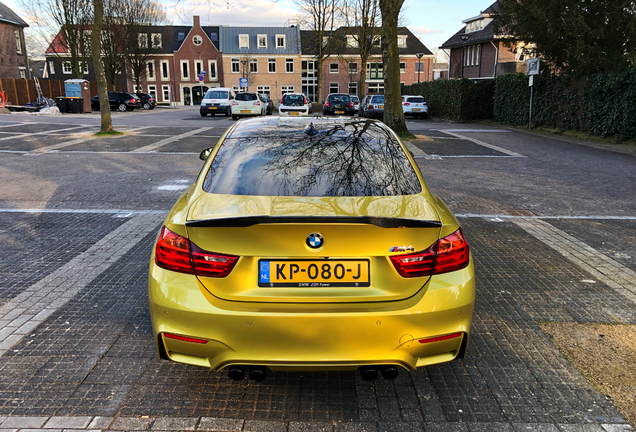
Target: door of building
x,y
197,94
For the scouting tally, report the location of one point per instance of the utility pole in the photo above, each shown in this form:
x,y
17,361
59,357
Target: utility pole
x,y
419,65
464,38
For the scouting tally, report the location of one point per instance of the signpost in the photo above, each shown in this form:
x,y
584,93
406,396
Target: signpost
x,y
532,69
202,76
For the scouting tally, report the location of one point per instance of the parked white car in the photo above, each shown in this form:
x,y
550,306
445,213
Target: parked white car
x,y
415,106
217,100
293,104
248,104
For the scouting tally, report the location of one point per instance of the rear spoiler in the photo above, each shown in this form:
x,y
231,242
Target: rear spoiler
x,y
247,221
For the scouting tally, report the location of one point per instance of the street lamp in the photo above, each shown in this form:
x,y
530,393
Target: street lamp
x,y
419,65
464,38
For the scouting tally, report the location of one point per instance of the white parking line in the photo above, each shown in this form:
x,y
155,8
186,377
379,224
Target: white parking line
x,y
78,141
415,150
481,143
172,139
23,135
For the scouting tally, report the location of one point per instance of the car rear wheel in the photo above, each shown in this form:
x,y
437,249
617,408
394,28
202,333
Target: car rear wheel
x,y
147,106
234,117
228,112
122,107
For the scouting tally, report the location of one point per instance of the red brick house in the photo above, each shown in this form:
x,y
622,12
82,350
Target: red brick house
x,y
13,53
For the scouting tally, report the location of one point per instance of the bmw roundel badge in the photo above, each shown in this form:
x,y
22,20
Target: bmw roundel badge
x,y
314,240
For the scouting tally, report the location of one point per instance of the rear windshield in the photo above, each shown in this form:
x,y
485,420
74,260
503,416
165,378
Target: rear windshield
x,y
246,97
293,100
354,158
377,99
415,100
216,94
339,98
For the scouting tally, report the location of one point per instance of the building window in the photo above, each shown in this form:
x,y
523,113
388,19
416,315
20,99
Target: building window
x,y
156,40
52,67
286,89
244,41
401,41
402,67
180,36
84,66
152,91
166,93
236,65
333,68
198,67
142,40
185,69
419,67
262,41
289,65
138,89
263,89
376,88
253,66
165,70
375,71
18,42
197,40
67,68
280,41
214,36
352,42
271,65
22,73
353,68
353,88
477,51
237,89
377,41
334,87
150,70
212,70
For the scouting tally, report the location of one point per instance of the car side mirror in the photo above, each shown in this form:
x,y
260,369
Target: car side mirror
x,y
205,154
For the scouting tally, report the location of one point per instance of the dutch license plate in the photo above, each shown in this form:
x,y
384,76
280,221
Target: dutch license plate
x,y
381,106
313,273
293,113
339,112
212,107
416,109
245,111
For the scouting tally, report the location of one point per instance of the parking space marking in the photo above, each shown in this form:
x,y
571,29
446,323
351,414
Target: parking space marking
x,y
476,130
163,142
91,211
24,135
79,141
612,273
26,311
415,150
481,143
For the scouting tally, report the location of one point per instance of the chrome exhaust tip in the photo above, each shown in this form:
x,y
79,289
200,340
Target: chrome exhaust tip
x,y
389,372
237,373
258,373
368,373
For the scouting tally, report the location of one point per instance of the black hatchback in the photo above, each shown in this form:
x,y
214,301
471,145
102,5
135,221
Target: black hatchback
x,y
147,101
338,104
121,101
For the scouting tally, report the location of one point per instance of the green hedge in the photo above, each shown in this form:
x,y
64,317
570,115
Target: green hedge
x,y
603,104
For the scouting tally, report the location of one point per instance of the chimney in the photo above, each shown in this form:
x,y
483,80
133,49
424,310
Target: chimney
x,y
196,22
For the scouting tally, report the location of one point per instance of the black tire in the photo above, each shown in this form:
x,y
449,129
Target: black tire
x,y
147,106
425,115
122,107
234,117
130,109
228,112
204,114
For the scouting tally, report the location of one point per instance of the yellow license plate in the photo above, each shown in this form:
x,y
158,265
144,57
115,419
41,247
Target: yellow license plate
x,y
293,113
313,273
245,111
339,112
212,107
381,106
416,109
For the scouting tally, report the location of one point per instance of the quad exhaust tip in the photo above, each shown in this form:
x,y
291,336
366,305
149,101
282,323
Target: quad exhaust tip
x,y
388,372
258,373
237,373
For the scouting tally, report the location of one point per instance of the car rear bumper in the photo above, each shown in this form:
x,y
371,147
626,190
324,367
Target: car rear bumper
x,y
305,337
252,111
422,111
292,112
376,113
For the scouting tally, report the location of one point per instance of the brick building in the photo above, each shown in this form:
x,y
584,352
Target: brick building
x,y
483,53
341,70
13,53
269,57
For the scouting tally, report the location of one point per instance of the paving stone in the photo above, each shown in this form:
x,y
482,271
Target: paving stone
x,y
175,423
264,426
131,423
100,422
400,427
355,427
309,427
23,422
59,422
220,424
490,427
580,428
445,427
617,427
534,427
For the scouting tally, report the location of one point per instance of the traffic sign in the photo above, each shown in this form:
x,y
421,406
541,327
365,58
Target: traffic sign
x,y
532,66
243,82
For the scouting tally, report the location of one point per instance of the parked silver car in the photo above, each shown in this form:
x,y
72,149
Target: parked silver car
x,y
414,106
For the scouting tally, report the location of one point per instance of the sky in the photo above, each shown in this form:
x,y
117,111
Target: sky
x,y
433,21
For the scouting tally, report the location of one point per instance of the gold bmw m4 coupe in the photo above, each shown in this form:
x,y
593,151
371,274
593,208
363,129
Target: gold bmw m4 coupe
x,y
310,244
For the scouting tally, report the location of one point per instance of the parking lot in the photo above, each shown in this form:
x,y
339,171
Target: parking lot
x,y
551,225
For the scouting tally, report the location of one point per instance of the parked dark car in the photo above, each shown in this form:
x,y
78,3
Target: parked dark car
x,y
147,101
372,106
269,102
338,104
120,101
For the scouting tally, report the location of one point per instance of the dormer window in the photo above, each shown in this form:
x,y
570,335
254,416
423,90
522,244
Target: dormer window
x,y
352,42
280,41
262,41
244,41
401,41
214,36
180,36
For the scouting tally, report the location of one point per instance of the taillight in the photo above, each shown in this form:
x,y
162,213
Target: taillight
x,y
257,103
304,100
185,338
445,255
174,252
424,103
327,104
440,338
235,103
406,103
370,106
350,104
132,100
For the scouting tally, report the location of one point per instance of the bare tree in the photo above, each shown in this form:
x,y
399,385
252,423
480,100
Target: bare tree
x,y
320,17
104,106
393,113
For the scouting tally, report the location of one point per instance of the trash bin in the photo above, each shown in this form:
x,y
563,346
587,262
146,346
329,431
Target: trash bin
x,y
76,105
62,104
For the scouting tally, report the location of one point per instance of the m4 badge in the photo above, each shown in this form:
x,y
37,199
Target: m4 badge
x,y
402,249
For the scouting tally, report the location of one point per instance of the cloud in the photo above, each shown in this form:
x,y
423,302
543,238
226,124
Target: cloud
x,y
249,13
424,30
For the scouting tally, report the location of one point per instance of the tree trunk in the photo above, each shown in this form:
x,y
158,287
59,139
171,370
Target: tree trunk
x,y
363,78
393,114
104,105
319,78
